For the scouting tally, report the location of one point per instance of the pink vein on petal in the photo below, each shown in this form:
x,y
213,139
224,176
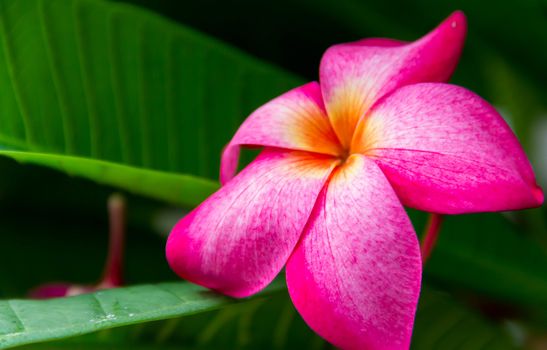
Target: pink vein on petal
x,y
239,238
355,275
446,150
355,75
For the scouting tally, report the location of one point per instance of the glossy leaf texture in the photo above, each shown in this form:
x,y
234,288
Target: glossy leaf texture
x,y
121,85
27,321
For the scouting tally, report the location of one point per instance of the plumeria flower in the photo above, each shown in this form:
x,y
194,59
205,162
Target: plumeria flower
x,y
325,197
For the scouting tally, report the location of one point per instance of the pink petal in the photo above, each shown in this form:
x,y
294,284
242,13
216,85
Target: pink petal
x,y
355,275
238,240
355,75
446,150
295,120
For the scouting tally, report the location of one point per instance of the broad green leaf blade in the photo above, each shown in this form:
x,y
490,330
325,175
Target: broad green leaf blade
x,y
105,81
28,321
175,188
273,323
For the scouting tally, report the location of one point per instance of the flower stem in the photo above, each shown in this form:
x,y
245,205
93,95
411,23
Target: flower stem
x,y
430,236
113,270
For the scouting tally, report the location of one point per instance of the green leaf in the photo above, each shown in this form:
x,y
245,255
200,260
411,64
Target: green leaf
x,y
120,85
273,323
28,321
175,188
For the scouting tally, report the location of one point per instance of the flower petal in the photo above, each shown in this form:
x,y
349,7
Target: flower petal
x,y
355,275
446,150
238,240
295,120
355,75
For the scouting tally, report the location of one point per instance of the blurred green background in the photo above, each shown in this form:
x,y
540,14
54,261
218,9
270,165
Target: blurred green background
x,y
69,66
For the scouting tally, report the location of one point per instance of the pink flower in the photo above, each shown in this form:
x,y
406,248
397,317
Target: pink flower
x,y
326,195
